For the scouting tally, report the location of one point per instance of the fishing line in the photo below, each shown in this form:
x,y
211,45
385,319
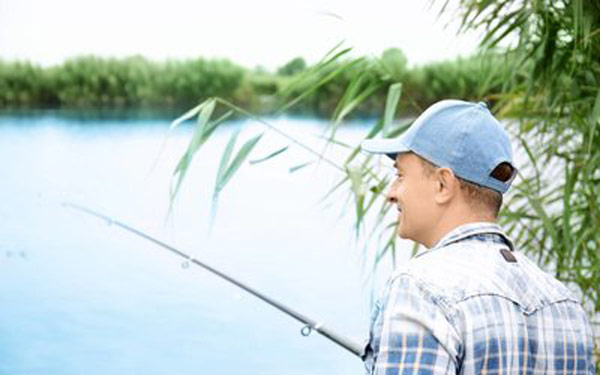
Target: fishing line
x,y
309,324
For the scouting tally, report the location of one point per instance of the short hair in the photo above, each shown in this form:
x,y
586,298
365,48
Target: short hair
x,y
477,195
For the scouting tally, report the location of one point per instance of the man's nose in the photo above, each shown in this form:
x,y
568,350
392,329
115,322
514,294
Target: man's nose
x,y
391,196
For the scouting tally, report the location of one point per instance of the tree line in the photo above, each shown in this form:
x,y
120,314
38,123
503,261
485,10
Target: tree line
x,y
91,82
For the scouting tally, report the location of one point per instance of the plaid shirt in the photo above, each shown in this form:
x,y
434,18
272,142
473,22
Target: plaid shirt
x,y
470,305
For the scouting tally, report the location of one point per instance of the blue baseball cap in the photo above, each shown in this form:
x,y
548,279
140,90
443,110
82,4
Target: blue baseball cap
x,y
455,134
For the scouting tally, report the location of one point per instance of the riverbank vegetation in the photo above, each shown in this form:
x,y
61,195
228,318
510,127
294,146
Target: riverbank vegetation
x,y
137,83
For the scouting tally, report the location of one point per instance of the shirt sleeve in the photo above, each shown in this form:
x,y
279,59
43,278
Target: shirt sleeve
x,y
415,336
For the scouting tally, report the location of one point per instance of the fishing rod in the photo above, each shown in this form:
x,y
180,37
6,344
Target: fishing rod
x,y
309,324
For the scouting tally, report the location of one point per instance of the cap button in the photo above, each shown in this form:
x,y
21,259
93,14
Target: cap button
x,y
483,105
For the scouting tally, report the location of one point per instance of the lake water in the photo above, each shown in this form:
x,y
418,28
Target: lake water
x,y
78,296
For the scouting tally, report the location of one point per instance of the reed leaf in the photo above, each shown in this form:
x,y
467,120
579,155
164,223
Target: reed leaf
x,y
201,134
391,104
314,86
226,169
376,129
269,156
186,116
359,190
224,163
298,167
335,187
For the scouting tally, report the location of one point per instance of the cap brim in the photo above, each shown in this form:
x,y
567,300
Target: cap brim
x,y
389,147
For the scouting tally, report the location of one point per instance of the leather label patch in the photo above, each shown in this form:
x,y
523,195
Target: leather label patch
x,y
508,256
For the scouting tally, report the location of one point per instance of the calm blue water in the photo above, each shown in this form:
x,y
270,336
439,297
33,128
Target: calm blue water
x,y
80,297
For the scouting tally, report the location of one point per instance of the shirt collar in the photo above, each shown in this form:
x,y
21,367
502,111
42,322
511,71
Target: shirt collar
x,y
468,230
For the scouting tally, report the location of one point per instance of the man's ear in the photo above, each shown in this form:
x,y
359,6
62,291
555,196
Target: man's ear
x,y
446,185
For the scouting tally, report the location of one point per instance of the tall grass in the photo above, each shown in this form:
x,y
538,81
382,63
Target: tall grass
x,y
555,211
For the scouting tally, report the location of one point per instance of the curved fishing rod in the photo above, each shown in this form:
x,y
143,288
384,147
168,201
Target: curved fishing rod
x,y
309,324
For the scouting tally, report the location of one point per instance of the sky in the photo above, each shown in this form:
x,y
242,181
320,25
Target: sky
x,y
253,33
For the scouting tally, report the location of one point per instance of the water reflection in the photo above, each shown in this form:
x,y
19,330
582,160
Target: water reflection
x,y
82,297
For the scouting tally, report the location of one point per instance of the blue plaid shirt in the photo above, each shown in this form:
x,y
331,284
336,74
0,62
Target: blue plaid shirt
x,y
471,305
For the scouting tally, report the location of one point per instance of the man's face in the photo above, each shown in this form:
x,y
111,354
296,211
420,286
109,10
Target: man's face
x,y
412,193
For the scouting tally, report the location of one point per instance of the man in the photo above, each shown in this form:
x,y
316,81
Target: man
x,y
468,303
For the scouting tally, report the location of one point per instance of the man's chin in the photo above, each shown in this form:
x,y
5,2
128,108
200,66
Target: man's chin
x,y
401,232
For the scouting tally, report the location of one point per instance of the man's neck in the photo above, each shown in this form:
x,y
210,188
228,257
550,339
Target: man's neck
x,y
450,222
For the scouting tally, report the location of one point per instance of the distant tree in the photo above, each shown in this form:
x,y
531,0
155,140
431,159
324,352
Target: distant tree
x,y
394,64
292,67
260,69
